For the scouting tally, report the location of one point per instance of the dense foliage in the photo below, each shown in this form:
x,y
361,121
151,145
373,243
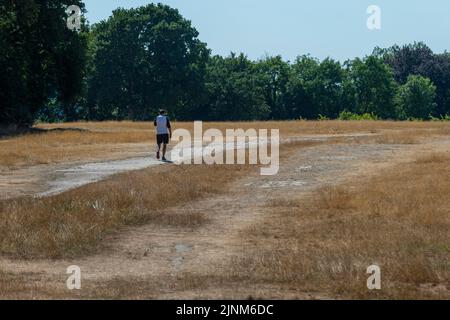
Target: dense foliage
x,y
145,59
40,59
140,60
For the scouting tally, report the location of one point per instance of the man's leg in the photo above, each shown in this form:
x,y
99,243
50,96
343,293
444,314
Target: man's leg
x,y
164,151
159,150
165,143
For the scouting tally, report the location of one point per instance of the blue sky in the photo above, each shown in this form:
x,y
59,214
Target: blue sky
x,y
321,28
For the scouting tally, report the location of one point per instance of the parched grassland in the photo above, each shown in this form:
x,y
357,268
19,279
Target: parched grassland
x,y
88,141
75,222
322,243
399,220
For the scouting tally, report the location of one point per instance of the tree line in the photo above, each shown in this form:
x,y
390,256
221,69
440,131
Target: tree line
x,y
141,60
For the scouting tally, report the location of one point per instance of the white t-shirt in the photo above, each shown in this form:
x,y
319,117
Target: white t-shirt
x,y
162,124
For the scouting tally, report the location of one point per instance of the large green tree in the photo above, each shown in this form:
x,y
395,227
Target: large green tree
x,y
416,98
274,73
374,87
298,100
145,59
40,58
326,88
314,88
235,90
418,59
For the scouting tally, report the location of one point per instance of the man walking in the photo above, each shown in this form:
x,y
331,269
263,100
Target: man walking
x,y
163,133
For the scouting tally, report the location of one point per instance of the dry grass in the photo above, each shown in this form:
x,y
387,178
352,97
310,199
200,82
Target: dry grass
x,y
84,141
69,146
302,127
399,220
399,138
74,222
32,286
24,286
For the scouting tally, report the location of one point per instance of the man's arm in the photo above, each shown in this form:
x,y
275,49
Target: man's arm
x,y
169,127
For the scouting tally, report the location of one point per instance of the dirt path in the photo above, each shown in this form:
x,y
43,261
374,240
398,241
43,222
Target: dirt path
x,y
43,179
47,180
151,252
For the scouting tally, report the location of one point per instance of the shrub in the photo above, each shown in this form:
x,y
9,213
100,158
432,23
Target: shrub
x,y
347,115
323,118
441,118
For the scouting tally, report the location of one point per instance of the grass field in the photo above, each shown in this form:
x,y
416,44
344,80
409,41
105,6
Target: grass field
x,y
59,143
399,219
337,206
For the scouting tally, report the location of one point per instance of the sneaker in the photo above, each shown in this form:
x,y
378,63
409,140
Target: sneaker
x,y
164,159
157,155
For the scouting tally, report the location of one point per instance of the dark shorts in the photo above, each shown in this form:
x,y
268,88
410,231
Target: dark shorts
x,y
162,139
